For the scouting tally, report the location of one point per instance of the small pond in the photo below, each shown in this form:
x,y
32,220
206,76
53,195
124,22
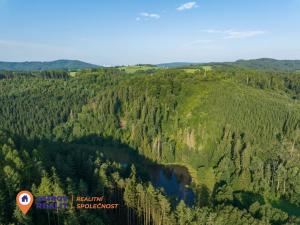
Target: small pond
x,y
174,180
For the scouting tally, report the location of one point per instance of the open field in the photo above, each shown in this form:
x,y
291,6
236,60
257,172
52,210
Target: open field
x,y
133,69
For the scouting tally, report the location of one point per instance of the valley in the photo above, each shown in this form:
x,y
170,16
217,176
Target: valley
x,y
171,146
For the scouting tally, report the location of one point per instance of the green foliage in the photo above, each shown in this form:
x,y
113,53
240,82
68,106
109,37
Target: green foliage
x,y
54,65
267,64
237,129
33,107
138,69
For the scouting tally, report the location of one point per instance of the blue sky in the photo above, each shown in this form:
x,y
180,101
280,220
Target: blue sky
x,y
148,31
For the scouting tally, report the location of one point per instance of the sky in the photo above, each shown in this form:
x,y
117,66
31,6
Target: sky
x,y
123,32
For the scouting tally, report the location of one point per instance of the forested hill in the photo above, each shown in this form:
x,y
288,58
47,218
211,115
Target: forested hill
x,y
237,131
176,64
53,65
266,64
262,64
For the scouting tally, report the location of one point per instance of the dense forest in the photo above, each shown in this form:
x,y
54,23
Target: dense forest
x,y
267,64
236,130
262,64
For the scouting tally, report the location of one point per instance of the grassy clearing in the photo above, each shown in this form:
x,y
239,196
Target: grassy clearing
x,y
207,177
190,70
193,70
133,69
207,68
73,74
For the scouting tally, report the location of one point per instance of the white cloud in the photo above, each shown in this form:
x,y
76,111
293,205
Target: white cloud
x,y
187,6
235,34
149,15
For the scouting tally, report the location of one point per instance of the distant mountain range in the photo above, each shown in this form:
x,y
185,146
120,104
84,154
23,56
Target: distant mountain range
x,y
263,63
177,64
266,63
53,65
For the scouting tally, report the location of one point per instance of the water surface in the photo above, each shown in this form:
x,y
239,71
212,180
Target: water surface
x,y
174,180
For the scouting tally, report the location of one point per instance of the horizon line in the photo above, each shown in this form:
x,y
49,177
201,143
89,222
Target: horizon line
x,y
135,64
